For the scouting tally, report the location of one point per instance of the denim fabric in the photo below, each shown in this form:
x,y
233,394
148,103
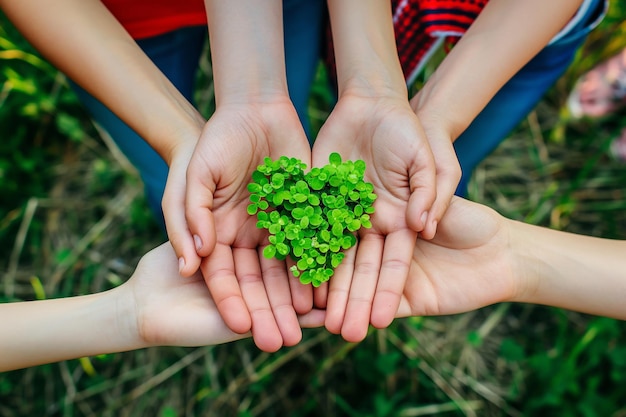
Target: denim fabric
x,y
177,55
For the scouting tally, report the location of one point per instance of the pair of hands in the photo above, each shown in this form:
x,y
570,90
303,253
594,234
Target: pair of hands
x,y
214,232
465,267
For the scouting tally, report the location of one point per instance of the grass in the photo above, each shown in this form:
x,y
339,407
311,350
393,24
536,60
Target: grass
x,y
73,220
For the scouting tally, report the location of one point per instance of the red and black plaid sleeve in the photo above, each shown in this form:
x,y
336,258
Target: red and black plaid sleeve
x,y
418,25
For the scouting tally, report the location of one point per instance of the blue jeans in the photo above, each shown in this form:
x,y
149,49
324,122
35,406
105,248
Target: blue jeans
x,y
520,95
177,54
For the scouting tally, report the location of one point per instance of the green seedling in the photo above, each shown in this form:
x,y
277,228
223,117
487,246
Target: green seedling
x,y
311,217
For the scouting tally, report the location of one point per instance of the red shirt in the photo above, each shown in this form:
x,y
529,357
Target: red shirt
x,y
147,18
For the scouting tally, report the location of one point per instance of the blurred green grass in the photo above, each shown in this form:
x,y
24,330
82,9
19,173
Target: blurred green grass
x,y
72,218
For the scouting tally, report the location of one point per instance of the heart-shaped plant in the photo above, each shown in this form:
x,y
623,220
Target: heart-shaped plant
x,y
311,217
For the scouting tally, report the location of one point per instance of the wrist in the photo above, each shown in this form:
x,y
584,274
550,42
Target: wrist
x,y
241,97
128,327
365,49
431,105
247,50
527,266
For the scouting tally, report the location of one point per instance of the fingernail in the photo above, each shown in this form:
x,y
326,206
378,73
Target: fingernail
x,y
181,264
424,218
197,241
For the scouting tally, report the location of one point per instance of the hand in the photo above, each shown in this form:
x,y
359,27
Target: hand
x,y
447,164
466,266
386,134
251,292
175,311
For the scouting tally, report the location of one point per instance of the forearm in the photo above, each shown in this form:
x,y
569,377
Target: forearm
x,y
247,50
504,37
83,40
365,49
38,332
575,272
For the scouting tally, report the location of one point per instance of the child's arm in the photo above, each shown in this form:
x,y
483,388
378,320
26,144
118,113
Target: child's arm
x,y
479,258
155,307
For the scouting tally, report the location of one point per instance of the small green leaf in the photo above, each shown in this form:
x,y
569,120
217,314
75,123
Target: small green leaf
x,y
302,264
274,228
253,187
282,249
335,181
304,222
334,158
252,209
354,225
313,200
337,229
278,199
298,213
306,277
278,180
269,251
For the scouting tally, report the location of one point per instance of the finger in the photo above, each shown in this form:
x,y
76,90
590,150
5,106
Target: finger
x,y
397,256
301,295
314,318
448,176
422,184
173,205
265,330
199,206
219,274
339,290
363,287
320,296
279,293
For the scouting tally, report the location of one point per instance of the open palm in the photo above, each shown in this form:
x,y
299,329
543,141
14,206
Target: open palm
x,y
251,292
466,266
386,134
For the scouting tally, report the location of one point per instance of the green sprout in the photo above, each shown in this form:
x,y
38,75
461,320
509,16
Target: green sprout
x,y
311,217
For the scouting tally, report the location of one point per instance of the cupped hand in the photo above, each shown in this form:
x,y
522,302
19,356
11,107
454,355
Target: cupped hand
x,y
251,292
176,311
172,310
386,134
466,266
440,137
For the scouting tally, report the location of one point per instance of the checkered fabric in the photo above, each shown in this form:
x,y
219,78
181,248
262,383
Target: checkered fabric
x,y
419,26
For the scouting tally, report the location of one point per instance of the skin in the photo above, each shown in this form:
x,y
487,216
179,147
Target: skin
x,y
254,119
255,115
373,121
408,146
155,307
478,258
410,156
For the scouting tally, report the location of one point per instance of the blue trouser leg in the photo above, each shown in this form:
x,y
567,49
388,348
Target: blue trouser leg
x,y
518,97
303,25
176,54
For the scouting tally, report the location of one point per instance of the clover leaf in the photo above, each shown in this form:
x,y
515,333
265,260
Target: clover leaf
x,y
311,217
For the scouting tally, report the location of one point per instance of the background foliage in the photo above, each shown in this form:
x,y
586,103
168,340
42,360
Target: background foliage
x,y
73,220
